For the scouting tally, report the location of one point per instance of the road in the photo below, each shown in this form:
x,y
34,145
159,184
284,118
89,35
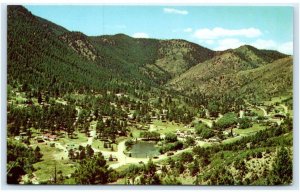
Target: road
x,y
206,121
263,109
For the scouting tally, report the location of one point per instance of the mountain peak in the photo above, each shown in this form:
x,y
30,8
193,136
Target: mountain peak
x,y
249,47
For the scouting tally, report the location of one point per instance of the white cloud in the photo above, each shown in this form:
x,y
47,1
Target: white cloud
x,y
218,32
286,48
229,43
188,30
232,43
175,11
264,44
140,35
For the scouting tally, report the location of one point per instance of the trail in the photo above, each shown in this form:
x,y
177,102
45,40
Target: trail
x,y
263,109
206,121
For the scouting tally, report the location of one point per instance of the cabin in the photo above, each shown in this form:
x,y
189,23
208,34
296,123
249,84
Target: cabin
x,y
154,118
119,94
49,137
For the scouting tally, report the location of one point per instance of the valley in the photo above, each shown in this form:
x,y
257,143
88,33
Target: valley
x,y
114,109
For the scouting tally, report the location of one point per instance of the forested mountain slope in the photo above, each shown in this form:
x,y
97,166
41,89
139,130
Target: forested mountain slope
x,y
244,71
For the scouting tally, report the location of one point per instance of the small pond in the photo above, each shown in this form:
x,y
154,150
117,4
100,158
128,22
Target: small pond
x,y
143,150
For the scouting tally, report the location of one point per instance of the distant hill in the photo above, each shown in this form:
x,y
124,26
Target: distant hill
x,y
46,56
245,70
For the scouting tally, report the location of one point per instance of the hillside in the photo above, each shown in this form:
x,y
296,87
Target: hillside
x,y
143,111
56,53
240,71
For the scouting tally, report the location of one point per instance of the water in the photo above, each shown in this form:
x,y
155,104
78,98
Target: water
x,y
144,150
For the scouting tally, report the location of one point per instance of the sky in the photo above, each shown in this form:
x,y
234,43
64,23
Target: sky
x,y
215,27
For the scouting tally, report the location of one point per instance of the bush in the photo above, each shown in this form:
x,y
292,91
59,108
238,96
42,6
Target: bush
x,y
186,157
170,137
245,123
129,143
228,120
204,131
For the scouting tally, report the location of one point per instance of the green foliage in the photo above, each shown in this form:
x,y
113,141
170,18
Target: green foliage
x,y
150,135
282,168
93,171
171,146
244,123
170,138
186,157
20,160
129,143
189,141
171,180
204,131
228,120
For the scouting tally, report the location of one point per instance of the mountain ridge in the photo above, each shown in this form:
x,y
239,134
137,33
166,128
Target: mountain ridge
x,y
54,51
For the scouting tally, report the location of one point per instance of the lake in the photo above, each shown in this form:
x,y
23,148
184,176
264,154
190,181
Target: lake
x,y
144,149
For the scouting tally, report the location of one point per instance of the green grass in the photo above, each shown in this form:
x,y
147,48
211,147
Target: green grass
x,y
135,132
231,140
275,100
100,145
45,168
80,139
166,127
258,111
249,131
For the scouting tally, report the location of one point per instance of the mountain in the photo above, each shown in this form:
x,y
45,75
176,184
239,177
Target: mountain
x,y
245,70
41,52
44,56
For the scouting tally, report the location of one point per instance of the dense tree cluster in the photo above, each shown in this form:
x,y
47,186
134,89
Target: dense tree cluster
x,y
94,170
54,117
20,160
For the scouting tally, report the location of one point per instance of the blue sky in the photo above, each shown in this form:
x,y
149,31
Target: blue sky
x,y
218,28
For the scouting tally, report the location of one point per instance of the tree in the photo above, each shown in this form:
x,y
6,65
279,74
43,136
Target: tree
x,y
93,171
129,143
186,157
20,160
71,154
132,172
204,131
170,137
150,168
189,141
244,123
229,119
194,167
282,168
179,167
37,153
171,180
82,154
89,151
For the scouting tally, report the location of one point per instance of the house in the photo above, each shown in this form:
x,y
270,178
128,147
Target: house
x,y
119,94
49,137
164,111
153,117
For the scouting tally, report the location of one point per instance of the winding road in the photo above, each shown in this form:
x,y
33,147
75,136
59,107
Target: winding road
x,y
263,109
